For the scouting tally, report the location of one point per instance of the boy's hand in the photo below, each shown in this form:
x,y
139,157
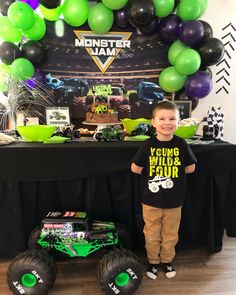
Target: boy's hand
x,y
136,169
190,169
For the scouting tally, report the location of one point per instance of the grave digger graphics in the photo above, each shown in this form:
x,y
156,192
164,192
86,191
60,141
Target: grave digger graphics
x,y
73,234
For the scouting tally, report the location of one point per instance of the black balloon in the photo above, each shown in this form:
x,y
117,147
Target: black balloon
x,y
150,29
211,51
9,52
50,3
121,18
182,95
208,32
140,13
34,52
4,5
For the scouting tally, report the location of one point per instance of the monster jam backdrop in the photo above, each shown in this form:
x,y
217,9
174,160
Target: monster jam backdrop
x,y
79,73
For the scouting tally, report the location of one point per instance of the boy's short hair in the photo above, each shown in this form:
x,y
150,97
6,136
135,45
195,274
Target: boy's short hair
x,y
164,105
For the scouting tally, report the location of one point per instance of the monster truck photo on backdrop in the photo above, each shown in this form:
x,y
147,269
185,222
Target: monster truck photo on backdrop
x,y
73,234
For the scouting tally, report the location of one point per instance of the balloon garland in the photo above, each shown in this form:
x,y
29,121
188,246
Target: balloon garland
x,y
192,46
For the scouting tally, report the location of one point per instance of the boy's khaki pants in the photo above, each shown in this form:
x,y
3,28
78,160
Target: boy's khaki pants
x,y
161,233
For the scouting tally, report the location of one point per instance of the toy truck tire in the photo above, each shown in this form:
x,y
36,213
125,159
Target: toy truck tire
x,y
119,272
134,133
99,136
33,238
124,236
31,272
33,243
120,136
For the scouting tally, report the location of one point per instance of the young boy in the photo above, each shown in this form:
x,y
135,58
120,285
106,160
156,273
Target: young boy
x,y
163,161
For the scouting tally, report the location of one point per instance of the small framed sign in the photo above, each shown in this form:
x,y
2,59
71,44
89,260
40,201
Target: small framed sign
x,y
57,116
185,108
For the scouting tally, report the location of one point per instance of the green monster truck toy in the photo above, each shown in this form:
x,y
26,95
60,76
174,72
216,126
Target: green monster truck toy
x,y
110,133
73,234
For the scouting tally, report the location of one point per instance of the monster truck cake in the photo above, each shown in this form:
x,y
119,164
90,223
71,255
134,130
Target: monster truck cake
x,y
100,113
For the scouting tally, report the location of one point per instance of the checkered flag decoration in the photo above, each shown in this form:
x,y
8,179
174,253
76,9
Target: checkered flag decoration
x,y
215,121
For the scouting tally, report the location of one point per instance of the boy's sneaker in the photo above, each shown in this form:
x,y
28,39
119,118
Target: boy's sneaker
x,y
152,271
169,270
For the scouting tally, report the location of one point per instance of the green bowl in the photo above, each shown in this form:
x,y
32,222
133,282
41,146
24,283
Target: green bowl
x,y
38,133
131,124
186,131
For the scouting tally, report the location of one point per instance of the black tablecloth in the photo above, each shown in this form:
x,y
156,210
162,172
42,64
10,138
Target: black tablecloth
x,y
95,177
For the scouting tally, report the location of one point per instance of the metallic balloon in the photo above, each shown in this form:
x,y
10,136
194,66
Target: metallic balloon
x,y
140,12
50,3
150,29
211,51
9,52
33,3
169,27
4,5
121,19
191,32
198,85
34,52
208,32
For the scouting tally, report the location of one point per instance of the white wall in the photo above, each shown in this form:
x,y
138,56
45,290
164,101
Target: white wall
x,y
219,14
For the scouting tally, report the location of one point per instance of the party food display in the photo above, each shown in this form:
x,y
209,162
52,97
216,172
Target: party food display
x,y
101,113
73,234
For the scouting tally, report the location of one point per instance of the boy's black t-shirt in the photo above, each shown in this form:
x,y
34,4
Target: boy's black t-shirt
x,y
164,165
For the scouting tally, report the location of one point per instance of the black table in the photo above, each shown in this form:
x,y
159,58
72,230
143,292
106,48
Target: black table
x,y
95,177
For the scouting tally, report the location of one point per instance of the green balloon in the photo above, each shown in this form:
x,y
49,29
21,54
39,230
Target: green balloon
x,y
203,5
75,12
163,7
50,14
8,32
38,30
189,10
188,62
100,18
114,4
22,68
170,80
21,15
5,71
175,50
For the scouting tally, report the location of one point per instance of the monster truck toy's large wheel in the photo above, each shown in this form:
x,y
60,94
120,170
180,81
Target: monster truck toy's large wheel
x,y
134,133
33,238
125,237
99,136
119,272
31,272
120,136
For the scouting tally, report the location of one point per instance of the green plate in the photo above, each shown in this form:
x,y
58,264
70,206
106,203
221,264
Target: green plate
x,y
138,138
57,139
